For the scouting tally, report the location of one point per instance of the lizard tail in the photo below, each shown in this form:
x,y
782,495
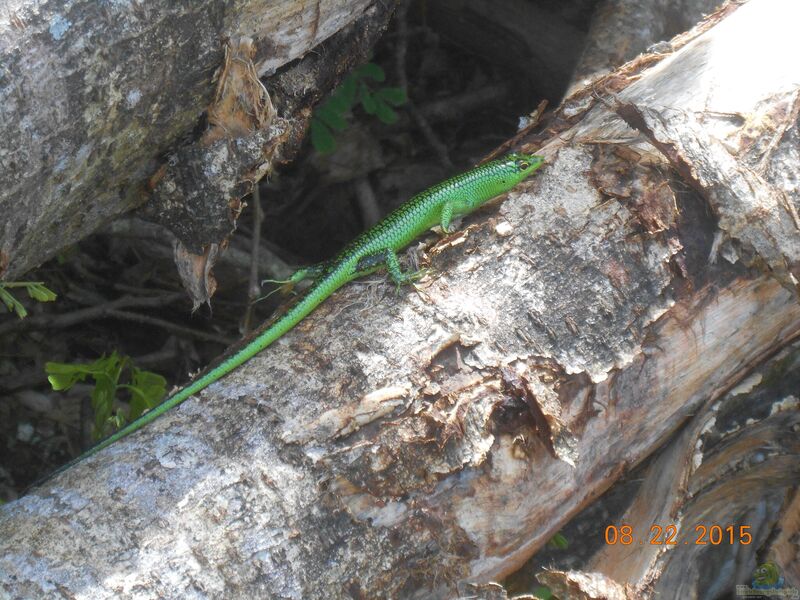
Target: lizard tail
x,y
316,294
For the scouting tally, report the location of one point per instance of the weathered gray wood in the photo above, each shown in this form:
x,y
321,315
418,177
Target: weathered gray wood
x,y
621,29
94,96
734,468
406,446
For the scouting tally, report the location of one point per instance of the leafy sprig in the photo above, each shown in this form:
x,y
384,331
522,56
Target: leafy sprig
x,y
356,88
36,290
146,389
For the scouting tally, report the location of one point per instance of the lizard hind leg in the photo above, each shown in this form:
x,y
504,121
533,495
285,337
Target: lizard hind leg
x,y
287,285
397,274
311,272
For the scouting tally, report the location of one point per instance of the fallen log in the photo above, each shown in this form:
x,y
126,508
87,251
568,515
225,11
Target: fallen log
x,y
431,441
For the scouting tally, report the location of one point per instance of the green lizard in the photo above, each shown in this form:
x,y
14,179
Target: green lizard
x,y
371,250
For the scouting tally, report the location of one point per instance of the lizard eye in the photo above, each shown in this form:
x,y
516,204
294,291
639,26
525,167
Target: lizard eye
x,y
523,164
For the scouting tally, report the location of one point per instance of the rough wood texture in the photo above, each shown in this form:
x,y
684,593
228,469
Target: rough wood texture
x,y
621,29
96,98
414,445
737,464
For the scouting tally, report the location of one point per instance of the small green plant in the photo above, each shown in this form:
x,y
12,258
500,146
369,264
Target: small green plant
x,y
35,289
559,542
355,89
146,389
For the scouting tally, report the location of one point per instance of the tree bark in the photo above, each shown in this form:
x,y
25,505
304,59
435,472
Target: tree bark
x,y
621,29
422,444
99,101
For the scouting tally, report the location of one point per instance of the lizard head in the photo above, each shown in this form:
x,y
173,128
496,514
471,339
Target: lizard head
x,y
495,178
522,165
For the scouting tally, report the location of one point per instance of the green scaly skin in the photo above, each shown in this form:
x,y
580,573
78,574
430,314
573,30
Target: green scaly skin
x,y
371,250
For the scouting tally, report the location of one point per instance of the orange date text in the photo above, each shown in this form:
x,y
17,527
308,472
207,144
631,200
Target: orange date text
x,y
669,535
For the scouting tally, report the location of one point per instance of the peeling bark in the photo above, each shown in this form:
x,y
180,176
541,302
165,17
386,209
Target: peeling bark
x,y
99,101
733,472
426,443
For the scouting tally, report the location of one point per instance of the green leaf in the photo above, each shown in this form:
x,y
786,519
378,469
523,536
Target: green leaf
x,y
393,95
63,376
102,403
338,102
347,91
137,406
147,390
371,71
104,392
384,112
60,382
39,292
12,304
35,289
104,371
331,118
152,385
367,99
321,137
7,298
559,542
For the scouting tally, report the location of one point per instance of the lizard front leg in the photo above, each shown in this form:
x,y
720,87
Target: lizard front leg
x,y
397,275
446,217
